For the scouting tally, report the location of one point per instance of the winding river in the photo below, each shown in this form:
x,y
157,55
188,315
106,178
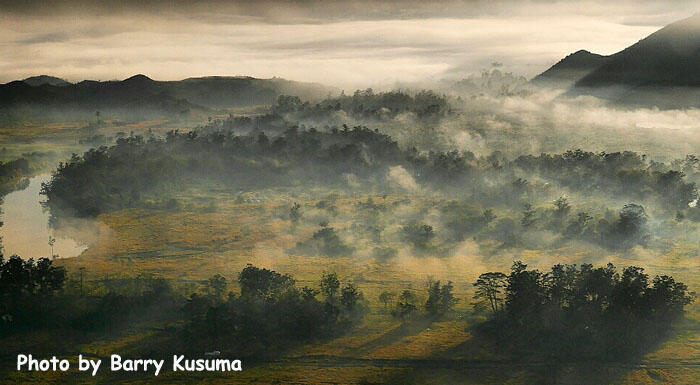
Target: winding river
x,y
26,230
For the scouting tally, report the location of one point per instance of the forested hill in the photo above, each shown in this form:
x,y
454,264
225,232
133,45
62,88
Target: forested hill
x,y
141,95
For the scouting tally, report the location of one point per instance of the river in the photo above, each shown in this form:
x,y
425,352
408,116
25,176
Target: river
x,y
26,225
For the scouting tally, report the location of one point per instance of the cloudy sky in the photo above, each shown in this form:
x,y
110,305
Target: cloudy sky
x,y
346,43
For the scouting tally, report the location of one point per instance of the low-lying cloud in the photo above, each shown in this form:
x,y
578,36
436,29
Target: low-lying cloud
x,y
359,45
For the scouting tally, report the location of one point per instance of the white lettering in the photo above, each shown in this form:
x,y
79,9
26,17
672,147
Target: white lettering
x,y
21,360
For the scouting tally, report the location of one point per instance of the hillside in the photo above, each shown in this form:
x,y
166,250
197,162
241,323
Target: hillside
x,y
570,69
145,97
669,57
36,81
661,70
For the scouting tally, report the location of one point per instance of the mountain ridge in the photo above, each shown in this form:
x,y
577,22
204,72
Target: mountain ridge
x,y
661,70
141,94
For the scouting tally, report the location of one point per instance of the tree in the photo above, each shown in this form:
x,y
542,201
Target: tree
x,y
406,306
349,297
294,213
420,235
262,284
52,240
489,216
216,286
489,289
386,297
440,299
528,218
561,211
562,206
576,227
330,284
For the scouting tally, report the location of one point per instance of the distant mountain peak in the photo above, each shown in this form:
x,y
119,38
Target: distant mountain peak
x,y
140,78
36,81
669,57
662,70
570,69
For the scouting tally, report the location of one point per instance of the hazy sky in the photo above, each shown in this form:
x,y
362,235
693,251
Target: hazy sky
x,y
344,43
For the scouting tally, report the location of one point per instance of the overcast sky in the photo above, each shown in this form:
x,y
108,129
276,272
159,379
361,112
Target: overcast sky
x,y
343,43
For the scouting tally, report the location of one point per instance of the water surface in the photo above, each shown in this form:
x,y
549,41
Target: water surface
x,y
26,225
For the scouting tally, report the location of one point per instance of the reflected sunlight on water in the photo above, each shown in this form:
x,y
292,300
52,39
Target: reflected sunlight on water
x,y
26,231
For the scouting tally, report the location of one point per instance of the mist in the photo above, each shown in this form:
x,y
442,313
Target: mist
x,y
347,48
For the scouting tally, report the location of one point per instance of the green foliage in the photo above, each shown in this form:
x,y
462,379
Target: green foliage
x,y
330,284
528,218
580,312
440,299
366,105
419,235
406,307
216,286
386,297
489,290
271,315
258,284
324,242
27,292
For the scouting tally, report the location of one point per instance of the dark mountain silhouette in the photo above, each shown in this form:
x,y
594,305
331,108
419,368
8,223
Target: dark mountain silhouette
x,y
670,57
660,70
40,80
570,69
139,95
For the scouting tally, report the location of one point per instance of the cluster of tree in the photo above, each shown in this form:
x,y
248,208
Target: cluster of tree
x,y
38,295
12,175
111,178
493,82
28,290
366,106
325,241
617,174
440,302
145,298
270,314
579,313
130,173
619,230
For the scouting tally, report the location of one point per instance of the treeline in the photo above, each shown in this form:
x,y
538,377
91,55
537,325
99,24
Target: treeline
x,y
12,175
626,228
439,304
618,174
366,106
569,313
37,295
578,313
269,315
111,178
363,107
28,291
